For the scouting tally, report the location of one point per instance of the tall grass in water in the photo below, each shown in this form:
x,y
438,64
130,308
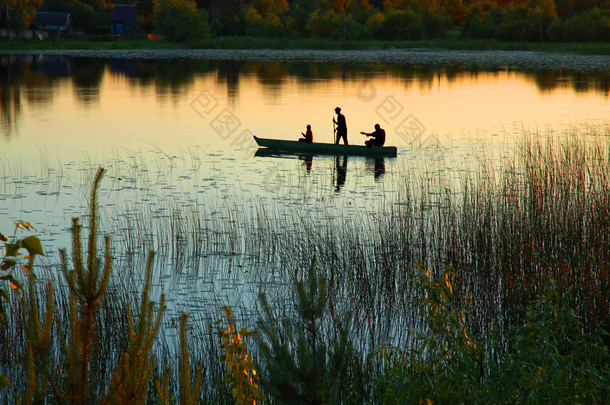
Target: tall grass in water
x,y
504,228
545,215
504,233
57,362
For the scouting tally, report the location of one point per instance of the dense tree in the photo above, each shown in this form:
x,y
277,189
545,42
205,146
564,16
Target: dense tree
x,y
271,6
145,9
515,20
92,16
20,13
180,21
224,16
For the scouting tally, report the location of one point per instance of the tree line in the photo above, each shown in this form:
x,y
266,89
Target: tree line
x,y
182,20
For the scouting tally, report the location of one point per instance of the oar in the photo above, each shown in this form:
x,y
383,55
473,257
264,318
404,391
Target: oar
x,y
334,132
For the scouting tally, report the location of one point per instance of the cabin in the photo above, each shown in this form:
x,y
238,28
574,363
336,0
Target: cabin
x,y
53,23
124,19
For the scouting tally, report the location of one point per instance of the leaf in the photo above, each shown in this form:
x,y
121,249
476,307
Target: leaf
x,y
33,245
8,264
29,271
12,249
4,382
13,281
4,294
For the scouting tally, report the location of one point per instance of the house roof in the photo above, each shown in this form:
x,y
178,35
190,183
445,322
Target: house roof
x,y
52,20
125,13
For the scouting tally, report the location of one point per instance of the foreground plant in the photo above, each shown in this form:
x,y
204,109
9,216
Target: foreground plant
x,y
70,381
444,364
87,283
551,358
548,359
242,377
38,333
129,383
13,257
189,393
303,362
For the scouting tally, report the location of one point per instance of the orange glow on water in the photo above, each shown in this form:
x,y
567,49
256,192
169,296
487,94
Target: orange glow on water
x,y
270,100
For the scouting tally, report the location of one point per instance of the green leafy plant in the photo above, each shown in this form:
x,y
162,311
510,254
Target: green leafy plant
x,y
13,257
38,335
242,376
444,364
551,358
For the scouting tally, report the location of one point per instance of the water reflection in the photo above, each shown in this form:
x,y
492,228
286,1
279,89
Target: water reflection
x,y
341,170
35,80
87,75
228,73
378,166
307,162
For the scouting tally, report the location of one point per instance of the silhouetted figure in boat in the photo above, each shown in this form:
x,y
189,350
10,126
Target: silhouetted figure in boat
x,y
341,128
378,137
341,172
307,136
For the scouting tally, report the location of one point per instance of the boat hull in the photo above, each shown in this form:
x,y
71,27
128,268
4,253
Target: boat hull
x,y
325,148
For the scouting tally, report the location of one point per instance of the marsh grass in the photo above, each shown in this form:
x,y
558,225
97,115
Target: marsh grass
x,y
502,231
502,228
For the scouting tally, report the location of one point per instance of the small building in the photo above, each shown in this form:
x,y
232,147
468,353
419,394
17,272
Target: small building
x,y
124,19
52,22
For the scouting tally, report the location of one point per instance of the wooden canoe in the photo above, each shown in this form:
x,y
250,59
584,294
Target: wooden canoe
x,y
316,148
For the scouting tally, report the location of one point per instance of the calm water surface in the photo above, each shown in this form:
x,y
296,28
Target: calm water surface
x,y
176,136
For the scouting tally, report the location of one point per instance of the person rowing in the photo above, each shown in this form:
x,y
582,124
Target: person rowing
x,y
341,127
377,137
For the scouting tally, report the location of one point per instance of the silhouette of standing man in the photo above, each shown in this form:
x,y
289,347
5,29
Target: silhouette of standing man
x,y
341,128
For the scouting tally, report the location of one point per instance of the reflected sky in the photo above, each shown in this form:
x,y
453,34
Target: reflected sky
x,y
47,100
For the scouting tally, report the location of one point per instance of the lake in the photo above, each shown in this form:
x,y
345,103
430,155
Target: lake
x,y
175,135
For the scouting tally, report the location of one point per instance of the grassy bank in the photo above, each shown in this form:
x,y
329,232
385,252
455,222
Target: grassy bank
x,y
450,43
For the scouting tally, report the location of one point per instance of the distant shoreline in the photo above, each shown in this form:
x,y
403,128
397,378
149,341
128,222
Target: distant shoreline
x,y
477,59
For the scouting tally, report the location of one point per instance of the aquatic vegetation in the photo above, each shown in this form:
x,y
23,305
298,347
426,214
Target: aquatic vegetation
x,y
469,282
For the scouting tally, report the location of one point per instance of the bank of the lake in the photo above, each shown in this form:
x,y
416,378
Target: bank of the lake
x,y
247,42
482,59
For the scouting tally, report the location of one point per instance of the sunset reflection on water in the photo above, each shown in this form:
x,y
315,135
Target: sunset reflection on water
x,y
75,104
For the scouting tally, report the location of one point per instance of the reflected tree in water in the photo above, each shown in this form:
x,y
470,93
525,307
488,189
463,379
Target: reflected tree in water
x,y
35,78
11,79
229,72
87,76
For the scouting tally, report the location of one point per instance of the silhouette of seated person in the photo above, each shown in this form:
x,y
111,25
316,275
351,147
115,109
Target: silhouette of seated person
x,y
307,136
377,137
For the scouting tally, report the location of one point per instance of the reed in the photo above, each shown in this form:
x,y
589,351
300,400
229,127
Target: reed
x,y
501,231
